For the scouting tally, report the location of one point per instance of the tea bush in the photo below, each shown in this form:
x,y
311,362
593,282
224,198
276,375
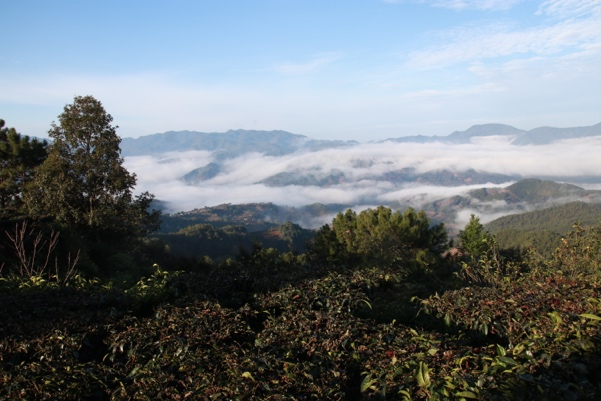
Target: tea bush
x,y
283,327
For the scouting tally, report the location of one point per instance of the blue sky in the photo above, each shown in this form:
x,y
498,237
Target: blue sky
x,y
328,69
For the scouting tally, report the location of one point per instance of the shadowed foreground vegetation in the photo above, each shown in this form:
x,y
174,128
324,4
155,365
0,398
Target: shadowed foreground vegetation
x,y
285,326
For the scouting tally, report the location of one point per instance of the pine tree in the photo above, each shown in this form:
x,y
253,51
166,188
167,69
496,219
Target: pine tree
x,y
474,238
381,237
19,155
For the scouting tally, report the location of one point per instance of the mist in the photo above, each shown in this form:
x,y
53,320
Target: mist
x,y
240,179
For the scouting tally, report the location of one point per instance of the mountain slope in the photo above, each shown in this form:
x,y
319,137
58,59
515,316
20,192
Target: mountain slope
x,y
483,130
559,219
543,229
406,175
536,136
276,143
532,190
545,135
232,142
516,199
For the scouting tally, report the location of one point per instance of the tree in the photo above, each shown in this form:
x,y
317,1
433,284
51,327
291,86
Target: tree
x,y
380,236
82,184
19,155
474,238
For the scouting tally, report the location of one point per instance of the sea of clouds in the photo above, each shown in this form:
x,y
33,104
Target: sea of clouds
x,y
240,178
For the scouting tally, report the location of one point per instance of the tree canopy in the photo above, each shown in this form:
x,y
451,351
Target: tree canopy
x,y
475,240
82,184
381,236
19,155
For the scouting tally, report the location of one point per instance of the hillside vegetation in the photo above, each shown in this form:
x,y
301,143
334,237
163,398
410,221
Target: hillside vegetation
x,y
375,306
543,229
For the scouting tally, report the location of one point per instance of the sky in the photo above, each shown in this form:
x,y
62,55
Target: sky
x,y
329,69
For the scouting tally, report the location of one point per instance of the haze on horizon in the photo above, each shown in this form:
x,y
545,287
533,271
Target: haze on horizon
x,y
354,70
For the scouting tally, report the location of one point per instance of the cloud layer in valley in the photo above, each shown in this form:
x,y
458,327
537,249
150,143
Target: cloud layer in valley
x,y
239,180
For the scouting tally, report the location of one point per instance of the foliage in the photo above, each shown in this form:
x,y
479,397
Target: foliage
x,y
286,326
579,255
542,229
301,341
253,216
19,155
197,241
543,241
475,240
82,183
558,219
381,237
153,290
548,316
291,233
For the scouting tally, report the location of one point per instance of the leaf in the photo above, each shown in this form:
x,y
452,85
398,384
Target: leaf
x,y
590,316
518,349
423,376
507,361
134,371
247,375
466,394
526,377
367,383
406,394
501,351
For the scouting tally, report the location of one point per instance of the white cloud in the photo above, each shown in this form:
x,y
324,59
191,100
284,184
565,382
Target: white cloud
x,y
569,8
316,63
476,4
468,44
239,182
493,5
559,36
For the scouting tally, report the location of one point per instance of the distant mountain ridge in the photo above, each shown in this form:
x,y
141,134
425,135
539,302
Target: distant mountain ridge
x,y
559,219
543,229
536,136
277,143
230,144
396,177
532,190
518,198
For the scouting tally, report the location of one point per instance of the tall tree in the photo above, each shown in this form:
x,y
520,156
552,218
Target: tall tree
x,y
19,155
83,184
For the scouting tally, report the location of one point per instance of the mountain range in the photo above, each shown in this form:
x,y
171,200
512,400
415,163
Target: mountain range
x,y
521,197
276,143
491,170
227,144
536,136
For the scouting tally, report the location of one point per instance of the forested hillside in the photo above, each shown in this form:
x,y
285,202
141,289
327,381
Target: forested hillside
x,y
97,304
543,229
559,219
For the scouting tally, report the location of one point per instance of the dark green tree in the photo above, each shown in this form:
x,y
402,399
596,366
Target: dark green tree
x,y
83,185
381,237
19,155
475,240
